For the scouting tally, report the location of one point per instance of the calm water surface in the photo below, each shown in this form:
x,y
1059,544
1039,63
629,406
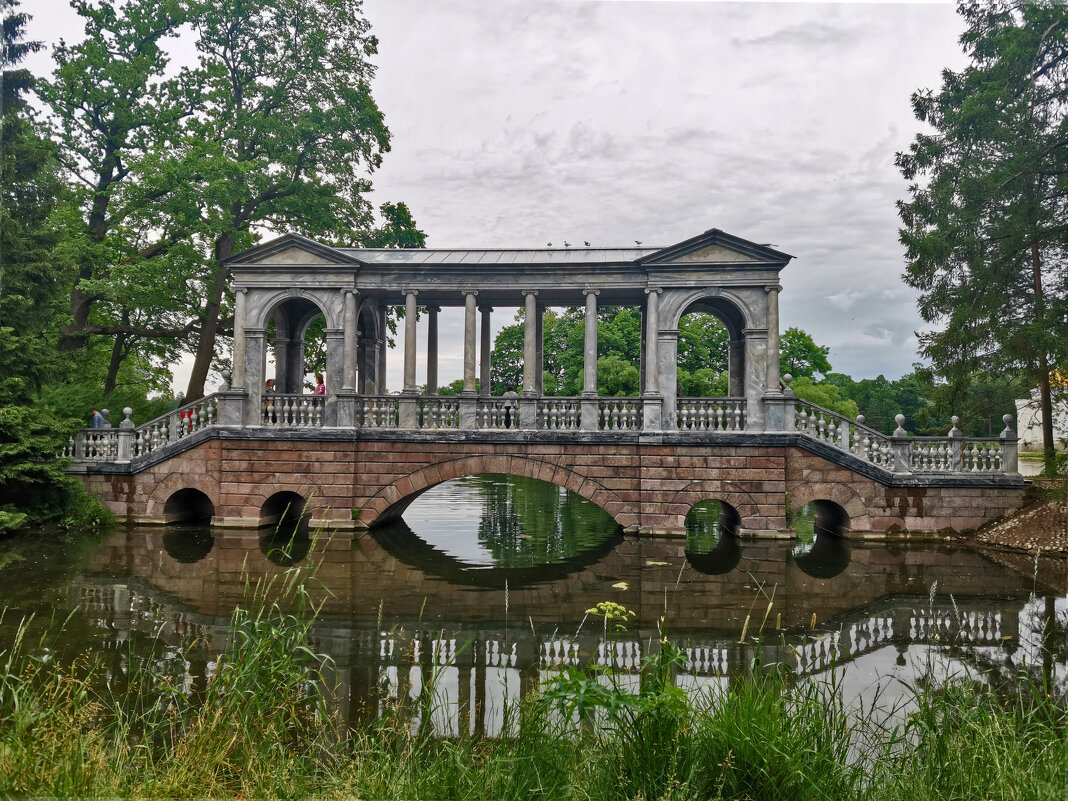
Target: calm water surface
x,y
485,584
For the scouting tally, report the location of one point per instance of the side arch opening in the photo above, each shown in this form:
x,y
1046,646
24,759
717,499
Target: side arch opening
x,y
188,507
285,521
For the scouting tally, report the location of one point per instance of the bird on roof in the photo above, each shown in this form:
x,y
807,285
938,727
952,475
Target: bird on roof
x,y
567,244
638,242
550,244
586,243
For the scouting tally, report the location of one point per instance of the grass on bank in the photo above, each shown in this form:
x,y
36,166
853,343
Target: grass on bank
x,y
261,726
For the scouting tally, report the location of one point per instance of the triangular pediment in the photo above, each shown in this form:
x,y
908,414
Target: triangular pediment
x,y
292,249
718,247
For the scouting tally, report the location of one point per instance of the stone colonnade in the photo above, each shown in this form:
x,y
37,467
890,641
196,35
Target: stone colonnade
x,y
288,283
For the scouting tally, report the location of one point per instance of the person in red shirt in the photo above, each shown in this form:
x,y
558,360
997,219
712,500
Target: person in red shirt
x,y
320,387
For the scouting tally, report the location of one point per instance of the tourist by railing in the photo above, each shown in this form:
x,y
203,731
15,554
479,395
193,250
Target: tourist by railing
x,y
293,411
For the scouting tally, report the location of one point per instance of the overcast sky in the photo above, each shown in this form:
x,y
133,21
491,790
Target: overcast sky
x,y
519,123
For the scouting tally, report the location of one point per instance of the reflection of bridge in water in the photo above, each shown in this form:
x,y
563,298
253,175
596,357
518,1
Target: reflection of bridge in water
x,y
486,648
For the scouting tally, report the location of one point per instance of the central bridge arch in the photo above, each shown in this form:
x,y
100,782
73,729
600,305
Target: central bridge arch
x,y
389,503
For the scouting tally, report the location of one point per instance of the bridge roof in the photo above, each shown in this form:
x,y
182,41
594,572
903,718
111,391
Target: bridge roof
x,y
713,247
503,256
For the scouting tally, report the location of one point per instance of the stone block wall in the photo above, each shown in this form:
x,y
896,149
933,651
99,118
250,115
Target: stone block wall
x,y
646,487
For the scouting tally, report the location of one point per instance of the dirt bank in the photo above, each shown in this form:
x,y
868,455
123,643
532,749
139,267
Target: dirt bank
x,y
1041,525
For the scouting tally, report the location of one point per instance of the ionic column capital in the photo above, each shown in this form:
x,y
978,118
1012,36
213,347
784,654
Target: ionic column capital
x,y
433,308
653,290
485,309
591,291
530,292
411,291
773,288
469,291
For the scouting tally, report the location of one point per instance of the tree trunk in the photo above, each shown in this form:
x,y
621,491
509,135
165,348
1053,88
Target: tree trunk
x,y
116,357
224,248
1049,455
97,225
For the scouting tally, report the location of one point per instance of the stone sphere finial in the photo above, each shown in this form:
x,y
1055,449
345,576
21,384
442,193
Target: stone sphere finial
x,y
1008,432
954,431
127,411
127,422
787,379
900,430
860,419
1006,419
227,375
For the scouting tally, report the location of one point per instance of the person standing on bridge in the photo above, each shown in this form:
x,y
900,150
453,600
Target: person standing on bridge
x,y
320,387
98,420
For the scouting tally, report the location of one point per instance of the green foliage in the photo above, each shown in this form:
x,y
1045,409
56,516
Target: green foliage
x,y
801,357
824,394
702,353
703,346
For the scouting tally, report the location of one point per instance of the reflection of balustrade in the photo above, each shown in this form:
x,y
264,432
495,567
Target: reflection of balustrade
x,y
711,414
706,660
955,626
619,654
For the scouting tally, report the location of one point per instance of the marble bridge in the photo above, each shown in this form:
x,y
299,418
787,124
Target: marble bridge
x,y
359,454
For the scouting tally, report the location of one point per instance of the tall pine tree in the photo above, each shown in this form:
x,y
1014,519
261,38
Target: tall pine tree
x,y
986,225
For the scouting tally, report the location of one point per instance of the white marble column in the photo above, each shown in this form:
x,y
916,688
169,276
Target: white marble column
x,y
589,351
282,345
530,343
432,350
652,335
484,348
240,314
410,317
381,350
756,377
348,378
470,327
773,338
255,358
736,368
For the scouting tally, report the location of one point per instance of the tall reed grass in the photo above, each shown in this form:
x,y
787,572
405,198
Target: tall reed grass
x,y
262,727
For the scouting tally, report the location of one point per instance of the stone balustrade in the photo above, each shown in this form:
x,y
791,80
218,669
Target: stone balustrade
x,y
899,453
293,410
711,414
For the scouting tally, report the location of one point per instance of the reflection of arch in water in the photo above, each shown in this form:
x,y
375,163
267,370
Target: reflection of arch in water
x,y
188,505
389,503
712,545
285,511
405,546
188,544
828,554
285,549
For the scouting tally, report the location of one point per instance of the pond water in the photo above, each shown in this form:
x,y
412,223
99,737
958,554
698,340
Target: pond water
x,y
485,584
